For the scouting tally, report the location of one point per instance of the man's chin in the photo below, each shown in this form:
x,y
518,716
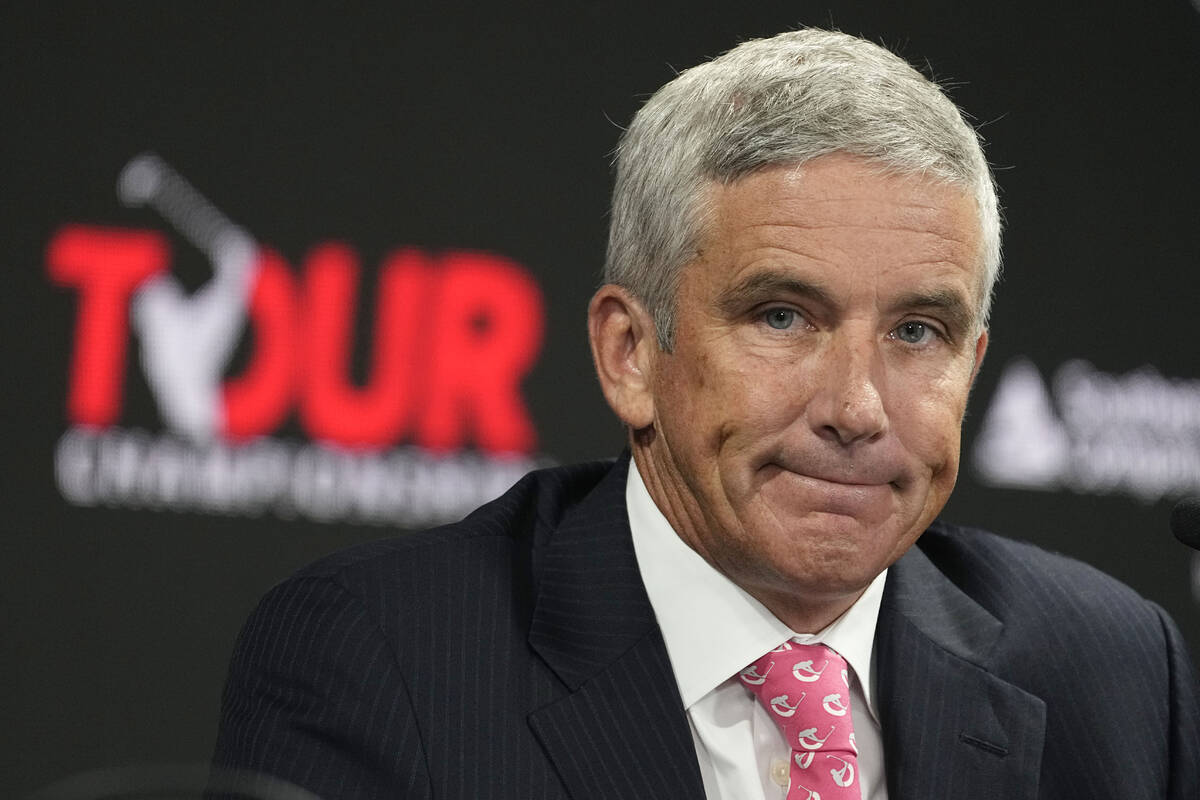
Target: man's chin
x,y
840,551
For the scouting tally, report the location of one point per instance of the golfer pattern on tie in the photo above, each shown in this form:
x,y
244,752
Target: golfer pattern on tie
x,y
806,690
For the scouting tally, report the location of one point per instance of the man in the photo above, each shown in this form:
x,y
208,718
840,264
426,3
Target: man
x,y
804,242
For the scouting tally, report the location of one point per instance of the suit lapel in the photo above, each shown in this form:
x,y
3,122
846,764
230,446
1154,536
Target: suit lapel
x,y
620,731
951,728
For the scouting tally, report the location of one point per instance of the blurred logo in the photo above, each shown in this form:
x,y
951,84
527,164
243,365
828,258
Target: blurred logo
x,y
438,426
1136,434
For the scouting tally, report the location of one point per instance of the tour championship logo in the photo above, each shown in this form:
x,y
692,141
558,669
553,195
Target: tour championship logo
x,y
1136,434
438,426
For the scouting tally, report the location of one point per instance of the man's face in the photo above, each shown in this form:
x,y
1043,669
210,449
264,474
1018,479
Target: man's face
x,y
806,424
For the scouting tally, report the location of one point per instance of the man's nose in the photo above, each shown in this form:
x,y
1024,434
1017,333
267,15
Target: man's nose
x,y
848,405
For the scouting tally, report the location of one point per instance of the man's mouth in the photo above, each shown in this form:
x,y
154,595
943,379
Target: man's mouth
x,y
847,474
835,492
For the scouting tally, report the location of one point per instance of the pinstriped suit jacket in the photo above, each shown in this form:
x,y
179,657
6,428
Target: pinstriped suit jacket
x,y
516,655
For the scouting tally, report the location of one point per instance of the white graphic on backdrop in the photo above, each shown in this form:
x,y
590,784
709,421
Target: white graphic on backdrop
x,y
1098,433
186,341
1022,442
406,486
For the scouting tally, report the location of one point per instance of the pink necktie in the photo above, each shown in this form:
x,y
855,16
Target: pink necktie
x,y
806,690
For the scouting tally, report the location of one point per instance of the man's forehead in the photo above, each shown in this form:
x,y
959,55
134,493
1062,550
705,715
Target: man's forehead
x,y
815,199
831,185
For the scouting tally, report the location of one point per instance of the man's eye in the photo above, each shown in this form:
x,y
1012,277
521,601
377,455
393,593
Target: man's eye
x,y
913,332
780,318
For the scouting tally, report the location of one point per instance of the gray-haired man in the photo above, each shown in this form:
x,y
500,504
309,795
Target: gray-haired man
x,y
804,243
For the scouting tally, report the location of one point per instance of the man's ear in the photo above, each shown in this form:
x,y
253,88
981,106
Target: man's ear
x,y
623,342
981,345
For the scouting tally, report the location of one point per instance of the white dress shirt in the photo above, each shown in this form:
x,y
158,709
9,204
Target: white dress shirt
x,y
713,629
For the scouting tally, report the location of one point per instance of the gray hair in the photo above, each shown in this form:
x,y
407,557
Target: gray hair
x,y
771,102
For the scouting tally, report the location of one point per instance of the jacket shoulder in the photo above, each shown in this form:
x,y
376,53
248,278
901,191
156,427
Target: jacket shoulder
x,y
519,518
1022,583
1072,636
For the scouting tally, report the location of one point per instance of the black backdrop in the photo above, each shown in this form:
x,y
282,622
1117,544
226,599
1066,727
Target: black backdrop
x,y
487,131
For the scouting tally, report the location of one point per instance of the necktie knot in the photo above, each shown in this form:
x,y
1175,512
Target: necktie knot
x,y
805,689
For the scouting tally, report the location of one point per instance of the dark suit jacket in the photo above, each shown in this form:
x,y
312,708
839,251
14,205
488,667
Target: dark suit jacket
x,y
516,655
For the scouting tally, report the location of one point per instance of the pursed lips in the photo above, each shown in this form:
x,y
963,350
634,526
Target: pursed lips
x,y
849,476
829,493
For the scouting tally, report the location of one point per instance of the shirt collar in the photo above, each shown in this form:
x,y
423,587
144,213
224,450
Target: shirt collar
x,y
712,628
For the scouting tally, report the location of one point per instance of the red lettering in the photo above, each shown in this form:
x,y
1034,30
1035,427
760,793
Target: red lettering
x,y
332,408
486,331
450,344
105,265
256,402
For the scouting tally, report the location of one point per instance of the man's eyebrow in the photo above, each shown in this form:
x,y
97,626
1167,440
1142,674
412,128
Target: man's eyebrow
x,y
950,305
763,286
